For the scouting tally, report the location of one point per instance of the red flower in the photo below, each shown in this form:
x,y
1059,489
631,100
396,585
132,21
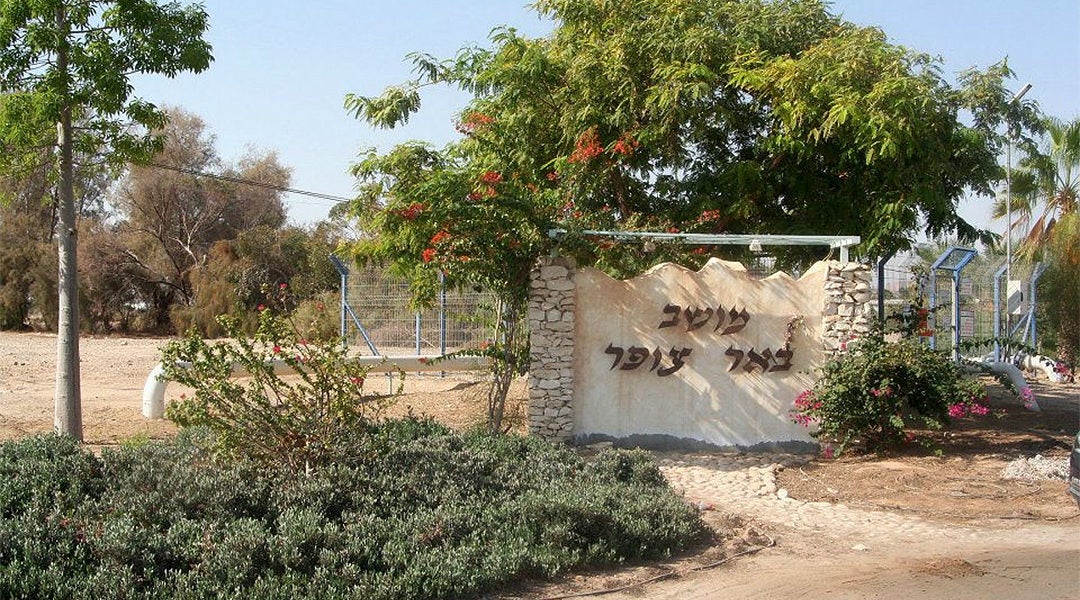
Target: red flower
x,y
261,307
357,380
410,212
553,176
427,255
442,236
283,286
626,145
587,147
491,177
277,349
473,121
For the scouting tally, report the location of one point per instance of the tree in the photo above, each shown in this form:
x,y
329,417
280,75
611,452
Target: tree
x,y
1045,191
63,61
708,116
239,275
173,216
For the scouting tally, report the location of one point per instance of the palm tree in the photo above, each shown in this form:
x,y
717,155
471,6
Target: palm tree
x,y
1047,184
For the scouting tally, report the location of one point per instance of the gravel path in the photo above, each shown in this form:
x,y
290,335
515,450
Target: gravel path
x,y
746,484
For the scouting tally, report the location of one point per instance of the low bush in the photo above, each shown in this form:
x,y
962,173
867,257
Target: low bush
x,y
417,512
875,392
269,416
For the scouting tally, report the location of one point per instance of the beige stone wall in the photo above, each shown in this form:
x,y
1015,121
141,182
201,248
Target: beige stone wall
x,y
848,312
675,357
551,337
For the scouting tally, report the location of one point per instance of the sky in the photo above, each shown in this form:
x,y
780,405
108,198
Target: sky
x,y
281,70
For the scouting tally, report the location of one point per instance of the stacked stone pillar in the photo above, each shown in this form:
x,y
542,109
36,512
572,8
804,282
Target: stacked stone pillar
x,y
847,314
551,337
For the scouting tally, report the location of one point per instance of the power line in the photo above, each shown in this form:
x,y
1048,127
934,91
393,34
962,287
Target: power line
x,y
242,181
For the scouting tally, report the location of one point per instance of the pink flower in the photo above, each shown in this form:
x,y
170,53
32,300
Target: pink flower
x,y
980,410
283,286
261,307
277,349
1028,397
958,410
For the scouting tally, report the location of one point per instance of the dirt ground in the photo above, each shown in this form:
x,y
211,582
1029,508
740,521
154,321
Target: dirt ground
x,y
963,484
1025,521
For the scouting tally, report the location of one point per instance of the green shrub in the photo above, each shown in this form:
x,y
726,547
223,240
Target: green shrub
x,y
318,319
423,513
297,420
872,394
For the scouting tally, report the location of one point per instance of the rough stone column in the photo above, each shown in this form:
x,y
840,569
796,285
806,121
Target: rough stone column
x,y
847,312
552,300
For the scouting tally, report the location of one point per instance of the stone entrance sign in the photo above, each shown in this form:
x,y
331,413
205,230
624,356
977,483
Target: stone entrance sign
x,y
678,358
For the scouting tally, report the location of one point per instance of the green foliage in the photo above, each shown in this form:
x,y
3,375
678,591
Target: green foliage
x,y
422,513
319,318
293,419
237,272
104,43
711,116
871,394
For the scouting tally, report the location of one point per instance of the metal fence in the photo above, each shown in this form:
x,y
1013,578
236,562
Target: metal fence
x,y
378,318
907,283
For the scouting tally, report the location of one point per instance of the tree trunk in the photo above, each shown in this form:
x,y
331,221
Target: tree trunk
x,y
68,409
1068,334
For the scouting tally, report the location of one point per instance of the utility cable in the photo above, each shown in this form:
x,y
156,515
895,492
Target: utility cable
x,y
242,181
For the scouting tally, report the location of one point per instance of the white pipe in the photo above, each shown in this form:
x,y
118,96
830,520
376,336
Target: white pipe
x,y
1017,379
1045,364
153,399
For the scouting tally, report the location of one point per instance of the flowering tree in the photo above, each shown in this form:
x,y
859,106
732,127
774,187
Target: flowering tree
x,y
707,116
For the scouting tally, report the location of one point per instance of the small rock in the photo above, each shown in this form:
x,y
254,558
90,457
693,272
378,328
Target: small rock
x,y
859,548
782,493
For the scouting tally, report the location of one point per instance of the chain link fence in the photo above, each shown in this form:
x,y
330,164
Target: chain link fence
x,y
907,286
382,322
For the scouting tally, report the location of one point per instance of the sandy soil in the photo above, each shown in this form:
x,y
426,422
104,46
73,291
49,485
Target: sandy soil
x,y
1028,542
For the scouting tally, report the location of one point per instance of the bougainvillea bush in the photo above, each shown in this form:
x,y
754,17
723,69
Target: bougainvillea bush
x,y
875,392
422,513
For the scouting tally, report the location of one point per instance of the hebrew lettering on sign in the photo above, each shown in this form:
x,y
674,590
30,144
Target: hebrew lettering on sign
x,y
767,360
727,321
629,359
730,321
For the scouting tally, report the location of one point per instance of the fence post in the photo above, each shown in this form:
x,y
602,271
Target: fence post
x,y
881,287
